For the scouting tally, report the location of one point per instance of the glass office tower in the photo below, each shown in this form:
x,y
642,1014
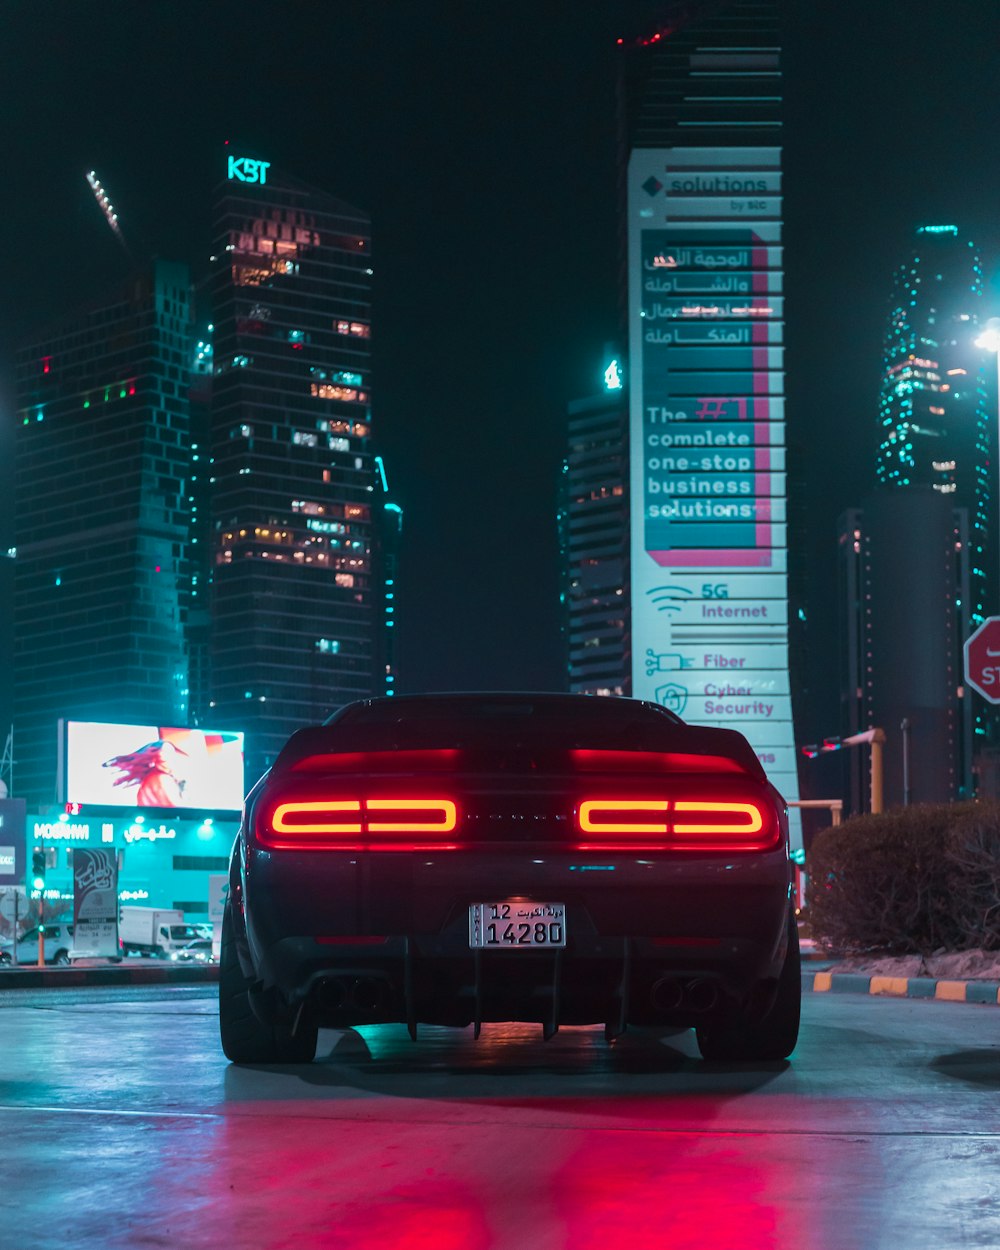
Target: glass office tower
x,y
934,421
709,580
103,570
297,600
593,541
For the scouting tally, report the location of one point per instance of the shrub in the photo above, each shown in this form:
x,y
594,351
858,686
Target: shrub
x,y
898,882
973,851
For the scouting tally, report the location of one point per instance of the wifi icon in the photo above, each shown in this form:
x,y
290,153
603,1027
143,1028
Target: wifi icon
x,y
669,598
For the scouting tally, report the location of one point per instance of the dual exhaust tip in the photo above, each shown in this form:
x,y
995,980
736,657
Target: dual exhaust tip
x,y
371,994
365,994
671,994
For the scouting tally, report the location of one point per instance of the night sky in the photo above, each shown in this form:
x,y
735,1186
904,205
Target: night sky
x,y
481,140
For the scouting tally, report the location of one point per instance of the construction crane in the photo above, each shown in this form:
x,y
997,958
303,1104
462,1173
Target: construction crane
x,y
107,208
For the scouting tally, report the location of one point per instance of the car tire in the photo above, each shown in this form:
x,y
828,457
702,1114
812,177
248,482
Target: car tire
x,y
772,1038
244,1038
61,957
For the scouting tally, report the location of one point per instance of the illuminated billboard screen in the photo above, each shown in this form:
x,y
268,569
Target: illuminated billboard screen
x,y
707,446
153,766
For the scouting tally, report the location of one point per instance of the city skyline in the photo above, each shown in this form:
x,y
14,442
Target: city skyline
x,y
485,154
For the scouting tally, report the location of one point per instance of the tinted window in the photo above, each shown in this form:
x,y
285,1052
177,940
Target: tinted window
x,y
501,721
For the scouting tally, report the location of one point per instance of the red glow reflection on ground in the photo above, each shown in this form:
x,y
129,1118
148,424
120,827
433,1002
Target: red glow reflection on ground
x,y
651,1192
437,1214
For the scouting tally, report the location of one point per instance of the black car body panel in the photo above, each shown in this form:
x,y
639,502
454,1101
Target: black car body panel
x,y
372,923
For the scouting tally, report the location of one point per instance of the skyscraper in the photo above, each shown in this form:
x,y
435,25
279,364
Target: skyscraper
x,y
709,594
103,574
934,423
904,601
593,539
296,599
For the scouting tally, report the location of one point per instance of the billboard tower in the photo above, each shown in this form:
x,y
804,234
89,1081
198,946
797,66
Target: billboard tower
x,y
707,413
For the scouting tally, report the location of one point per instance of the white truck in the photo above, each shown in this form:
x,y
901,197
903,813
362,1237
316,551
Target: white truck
x,y
154,930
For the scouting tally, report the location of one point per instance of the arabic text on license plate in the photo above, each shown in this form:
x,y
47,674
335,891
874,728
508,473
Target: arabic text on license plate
x,y
516,923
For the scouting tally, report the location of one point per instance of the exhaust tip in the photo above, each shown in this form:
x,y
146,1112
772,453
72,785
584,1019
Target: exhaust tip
x,y
367,994
332,993
666,995
701,995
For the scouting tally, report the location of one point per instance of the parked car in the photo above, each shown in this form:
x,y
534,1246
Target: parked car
x,y
58,944
551,858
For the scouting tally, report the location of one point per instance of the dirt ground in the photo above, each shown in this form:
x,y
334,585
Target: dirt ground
x,y
953,966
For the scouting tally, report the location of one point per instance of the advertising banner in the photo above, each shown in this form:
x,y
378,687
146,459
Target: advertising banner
x,y
111,765
707,443
95,901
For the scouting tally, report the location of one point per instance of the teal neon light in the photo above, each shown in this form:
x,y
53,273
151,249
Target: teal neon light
x,y
937,230
380,465
613,377
243,169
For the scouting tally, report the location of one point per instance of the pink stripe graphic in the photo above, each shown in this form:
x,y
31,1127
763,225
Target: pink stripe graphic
x,y
715,557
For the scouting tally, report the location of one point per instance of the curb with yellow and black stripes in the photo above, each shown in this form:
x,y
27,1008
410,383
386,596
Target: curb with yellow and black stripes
x,y
902,987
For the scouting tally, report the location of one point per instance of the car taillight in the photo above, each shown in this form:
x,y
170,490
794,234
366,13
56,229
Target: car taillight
x,y
389,824
598,816
677,825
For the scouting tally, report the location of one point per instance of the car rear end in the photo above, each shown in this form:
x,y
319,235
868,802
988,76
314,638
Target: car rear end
x,y
511,858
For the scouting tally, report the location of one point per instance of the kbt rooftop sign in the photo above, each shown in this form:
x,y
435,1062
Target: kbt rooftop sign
x,y
243,169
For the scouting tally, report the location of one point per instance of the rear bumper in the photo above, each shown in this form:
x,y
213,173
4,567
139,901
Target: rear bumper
x,y
648,940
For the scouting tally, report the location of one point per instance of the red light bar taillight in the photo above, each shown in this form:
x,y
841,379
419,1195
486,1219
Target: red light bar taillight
x,y
389,824
677,825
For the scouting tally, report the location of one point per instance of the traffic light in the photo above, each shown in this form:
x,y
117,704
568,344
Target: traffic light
x,y
38,870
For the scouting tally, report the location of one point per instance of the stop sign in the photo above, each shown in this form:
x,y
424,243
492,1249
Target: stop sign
x,y
982,659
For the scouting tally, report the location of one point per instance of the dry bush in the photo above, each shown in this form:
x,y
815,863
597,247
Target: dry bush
x,y
894,882
973,850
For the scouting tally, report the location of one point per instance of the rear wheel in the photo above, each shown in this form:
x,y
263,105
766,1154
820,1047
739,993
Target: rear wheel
x,y
244,1038
774,1036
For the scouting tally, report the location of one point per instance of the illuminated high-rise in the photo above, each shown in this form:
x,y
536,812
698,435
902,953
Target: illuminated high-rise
x,y
934,420
593,541
297,598
103,572
705,263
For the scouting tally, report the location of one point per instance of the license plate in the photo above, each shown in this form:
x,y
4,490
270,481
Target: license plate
x,y
516,923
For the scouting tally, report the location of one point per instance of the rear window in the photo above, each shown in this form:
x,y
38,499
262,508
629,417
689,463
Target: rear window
x,y
500,721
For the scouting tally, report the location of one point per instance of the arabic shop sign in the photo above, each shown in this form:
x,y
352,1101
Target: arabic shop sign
x,y
243,169
139,833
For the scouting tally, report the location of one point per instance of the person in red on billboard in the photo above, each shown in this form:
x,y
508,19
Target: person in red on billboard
x,y
156,769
